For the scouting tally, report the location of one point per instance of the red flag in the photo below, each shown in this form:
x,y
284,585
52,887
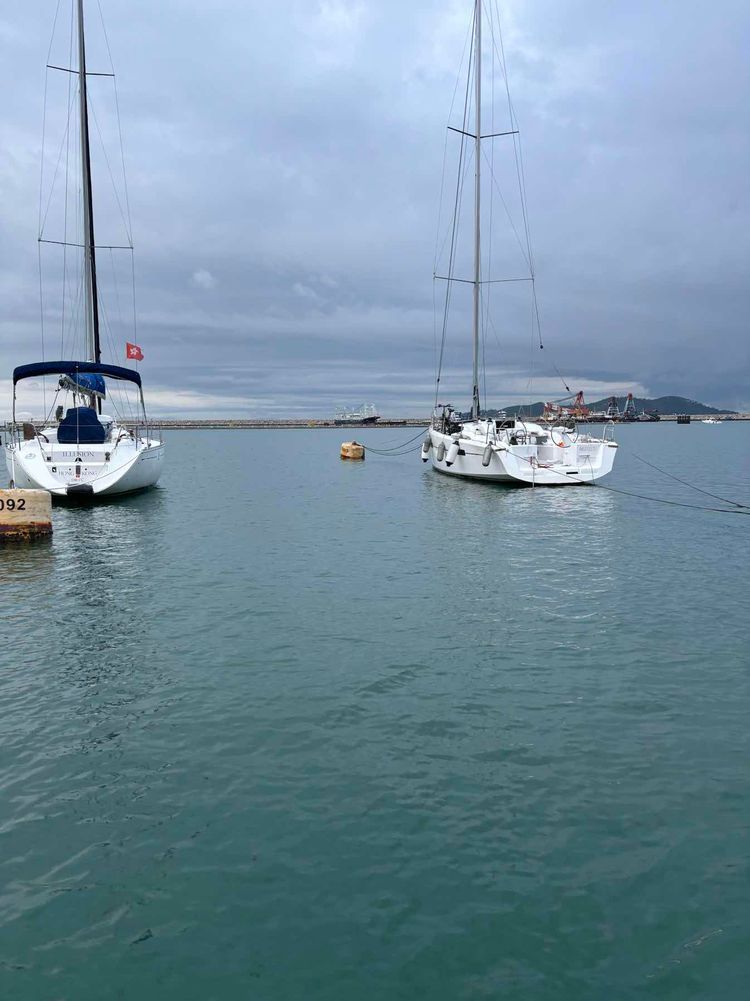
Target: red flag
x,y
133,352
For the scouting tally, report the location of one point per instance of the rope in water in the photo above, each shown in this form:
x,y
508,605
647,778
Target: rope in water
x,y
659,500
687,483
394,449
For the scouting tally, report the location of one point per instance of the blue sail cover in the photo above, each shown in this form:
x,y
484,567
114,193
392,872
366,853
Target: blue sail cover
x,y
88,382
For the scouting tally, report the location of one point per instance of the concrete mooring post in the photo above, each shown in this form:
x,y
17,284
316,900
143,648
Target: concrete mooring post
x,y
24,514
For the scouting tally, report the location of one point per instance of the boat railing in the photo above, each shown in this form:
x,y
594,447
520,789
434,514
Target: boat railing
x,y
144,430
16,432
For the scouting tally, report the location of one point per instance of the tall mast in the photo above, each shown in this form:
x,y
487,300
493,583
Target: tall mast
x,y
91,306
477,190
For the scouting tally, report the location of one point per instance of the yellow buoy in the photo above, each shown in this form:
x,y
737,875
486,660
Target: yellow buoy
x,y
352,450
25,514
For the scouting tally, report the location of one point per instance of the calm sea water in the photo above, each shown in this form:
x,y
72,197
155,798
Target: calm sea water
x,y
290,727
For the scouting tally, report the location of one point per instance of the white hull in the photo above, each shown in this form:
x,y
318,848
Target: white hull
x,y
529,454
93,471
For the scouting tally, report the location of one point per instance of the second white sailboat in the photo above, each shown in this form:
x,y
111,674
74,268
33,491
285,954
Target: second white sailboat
x,y
500,449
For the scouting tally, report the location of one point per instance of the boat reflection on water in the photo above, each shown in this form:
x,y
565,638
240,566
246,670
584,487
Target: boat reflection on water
x,y
91,580
529,552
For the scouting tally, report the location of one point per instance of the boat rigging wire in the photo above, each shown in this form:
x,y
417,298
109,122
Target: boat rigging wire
x,y
562,380
41,191
41,319
65,281
129,227
517,149
454,227
63,142
111,176
524,251
439,248
536,322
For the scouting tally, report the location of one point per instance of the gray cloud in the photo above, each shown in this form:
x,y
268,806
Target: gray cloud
x,y
284,168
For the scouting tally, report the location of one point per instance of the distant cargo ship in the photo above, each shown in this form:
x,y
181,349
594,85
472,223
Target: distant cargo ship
x,y
365,413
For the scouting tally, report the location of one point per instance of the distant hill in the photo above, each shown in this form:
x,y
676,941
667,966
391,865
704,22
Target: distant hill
x,y
664,405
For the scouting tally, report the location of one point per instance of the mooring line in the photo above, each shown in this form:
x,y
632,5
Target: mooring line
x,y
687,483
740,509
394,449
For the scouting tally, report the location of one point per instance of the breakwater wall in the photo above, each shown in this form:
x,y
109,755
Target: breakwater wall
x,y
186,424
249,424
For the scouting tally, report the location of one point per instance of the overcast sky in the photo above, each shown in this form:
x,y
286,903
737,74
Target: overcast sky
x,y
284,163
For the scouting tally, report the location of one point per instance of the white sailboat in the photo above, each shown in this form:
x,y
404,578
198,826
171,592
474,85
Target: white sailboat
x,y
504,450
78,453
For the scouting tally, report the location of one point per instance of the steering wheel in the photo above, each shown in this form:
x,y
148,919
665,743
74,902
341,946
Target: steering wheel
x,y
560,444
573,428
